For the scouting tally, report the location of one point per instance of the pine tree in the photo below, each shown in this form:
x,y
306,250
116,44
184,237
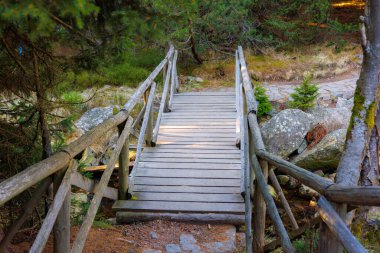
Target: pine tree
x,y
264,104
305,95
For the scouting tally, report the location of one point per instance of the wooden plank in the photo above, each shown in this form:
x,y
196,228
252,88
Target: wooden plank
x,y
190,151
204,131
210,143
195,116
180,173
197,127
90,185
197,146
163,138
215,155
189,134
190,160
189,197
199,166
205,218
186,189
178,206
200,113
200,121
206,93
204,109
187,181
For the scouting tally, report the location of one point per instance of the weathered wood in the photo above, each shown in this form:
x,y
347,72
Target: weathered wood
x,y
175,72
95,203
284,202
173,80
90,185
149,124
187,189
199,166
188,181
13,186
191,160
146,156
188,197
142,134
59,198
139,117
61,229
162,104
248,90
259,209
272,210
354,195
185,207
209,218
162,139
338,227
28,210
189,173
308,178
123,171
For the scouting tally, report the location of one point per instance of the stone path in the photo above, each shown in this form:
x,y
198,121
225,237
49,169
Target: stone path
x,y
327,91
187,243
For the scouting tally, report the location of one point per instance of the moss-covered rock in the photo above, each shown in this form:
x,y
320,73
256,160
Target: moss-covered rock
x,y
325,155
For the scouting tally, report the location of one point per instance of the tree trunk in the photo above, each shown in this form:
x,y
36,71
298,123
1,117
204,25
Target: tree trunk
x,y
192,43
360,160
40,93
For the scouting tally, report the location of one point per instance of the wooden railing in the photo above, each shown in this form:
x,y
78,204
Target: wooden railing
x,y
259,165
61,168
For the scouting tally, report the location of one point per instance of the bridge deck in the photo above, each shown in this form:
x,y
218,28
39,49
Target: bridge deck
x,y
195,166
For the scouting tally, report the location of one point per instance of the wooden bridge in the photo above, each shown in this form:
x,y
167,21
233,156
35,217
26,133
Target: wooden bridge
x,y
188,167
195,166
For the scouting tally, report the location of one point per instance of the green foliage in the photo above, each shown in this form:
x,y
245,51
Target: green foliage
x,y
308,243
304,96
72,97
264,104
125,74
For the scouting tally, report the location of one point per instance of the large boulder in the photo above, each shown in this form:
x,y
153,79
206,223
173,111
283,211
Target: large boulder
x,y
285,132
94,117
332,118
325,155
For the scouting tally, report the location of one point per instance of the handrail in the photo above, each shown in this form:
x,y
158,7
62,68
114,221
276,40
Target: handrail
x,y
174,80
367,196
58,164
142,135
262,185
18,183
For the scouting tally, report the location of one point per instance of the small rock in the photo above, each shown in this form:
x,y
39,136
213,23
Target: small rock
x,y
283,179
302,147
188,243
293,183
198,80
319,173
307,191
373,217
172,248
153,235
331,177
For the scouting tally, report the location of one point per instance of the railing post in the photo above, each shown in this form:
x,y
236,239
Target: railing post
x,y
168,72
123,171
259,211
327,240
149,127
61,229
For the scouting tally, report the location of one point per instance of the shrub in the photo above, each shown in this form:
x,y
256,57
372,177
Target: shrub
x,y
264,105
304,96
